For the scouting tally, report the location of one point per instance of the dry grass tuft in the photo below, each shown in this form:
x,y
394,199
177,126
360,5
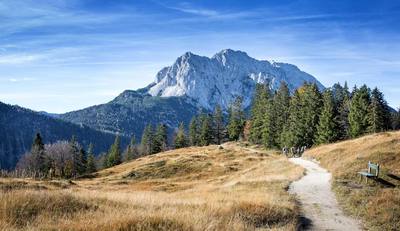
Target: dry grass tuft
x,y
377,202
20,208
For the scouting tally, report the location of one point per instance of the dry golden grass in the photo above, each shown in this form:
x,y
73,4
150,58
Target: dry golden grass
x,y
377,202
199,188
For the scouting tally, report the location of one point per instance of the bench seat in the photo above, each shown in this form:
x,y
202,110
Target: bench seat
x,y
367,174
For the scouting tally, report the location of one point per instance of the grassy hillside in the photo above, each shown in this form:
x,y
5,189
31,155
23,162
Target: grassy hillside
x,y
378,202
199,188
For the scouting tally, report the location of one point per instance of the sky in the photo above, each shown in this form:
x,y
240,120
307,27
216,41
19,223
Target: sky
x,y
64,55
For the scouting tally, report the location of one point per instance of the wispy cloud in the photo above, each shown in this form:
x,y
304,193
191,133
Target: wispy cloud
x,y
190,9
20,58
15,80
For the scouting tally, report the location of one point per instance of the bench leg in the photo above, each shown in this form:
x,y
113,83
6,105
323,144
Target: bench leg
x,y
366,179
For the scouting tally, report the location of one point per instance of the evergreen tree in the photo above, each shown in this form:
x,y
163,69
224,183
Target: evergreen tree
x,y
82,161
193,132
114,155
180,138
291,135
327,130
281,107
205,137
258,112
236,120
76,167
358,119
91,161
343,109
268,131
160,139
218,124
304,109
131,151
39,162
147,140
378,113
311,109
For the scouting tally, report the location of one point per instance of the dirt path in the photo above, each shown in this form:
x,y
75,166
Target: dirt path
x,y
319,206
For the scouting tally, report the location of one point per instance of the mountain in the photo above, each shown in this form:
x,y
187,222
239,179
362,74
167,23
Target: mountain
x,y
220,79
19,125
192,84
131,111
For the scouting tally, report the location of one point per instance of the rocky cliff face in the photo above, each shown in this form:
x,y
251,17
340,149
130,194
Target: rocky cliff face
x,y
220,79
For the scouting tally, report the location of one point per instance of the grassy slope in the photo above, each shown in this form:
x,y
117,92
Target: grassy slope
x,y
201,188
377,203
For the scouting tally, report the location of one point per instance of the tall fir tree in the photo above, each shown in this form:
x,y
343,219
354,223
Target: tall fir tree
x,y
291,135
180,137
91,161
218,124
193,132
327,129
146,143
281,107
268,122
160,143
205,137
258,111
358,119
82,161
343,108
131,150
114,155
39,164
236,120
378,113
304,109
76,157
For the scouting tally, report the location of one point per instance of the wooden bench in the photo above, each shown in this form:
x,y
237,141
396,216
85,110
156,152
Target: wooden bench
x,y
373,171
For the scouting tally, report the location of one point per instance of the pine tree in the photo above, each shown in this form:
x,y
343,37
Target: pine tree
x,y
378,113
218,124
91,161
236,120
131,151
76,157
193,132
327,130
268,124
39,162
258,113
343,108
160,139
291,134
180,138
358,112
147,140
281,107
82,161
114,155
205,137
305,107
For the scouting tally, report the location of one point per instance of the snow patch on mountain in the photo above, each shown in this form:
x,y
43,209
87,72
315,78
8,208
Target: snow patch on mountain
x,y
223,77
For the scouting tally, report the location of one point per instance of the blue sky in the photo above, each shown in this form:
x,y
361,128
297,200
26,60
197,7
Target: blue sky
x,y
63,55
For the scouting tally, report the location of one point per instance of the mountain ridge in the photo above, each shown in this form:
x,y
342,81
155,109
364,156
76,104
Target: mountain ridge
x,y
223,77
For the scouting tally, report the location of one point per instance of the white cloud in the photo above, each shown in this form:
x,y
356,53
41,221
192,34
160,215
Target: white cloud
x,y
20,58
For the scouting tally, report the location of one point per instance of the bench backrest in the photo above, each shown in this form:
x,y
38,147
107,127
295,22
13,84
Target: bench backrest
x,y
373,167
